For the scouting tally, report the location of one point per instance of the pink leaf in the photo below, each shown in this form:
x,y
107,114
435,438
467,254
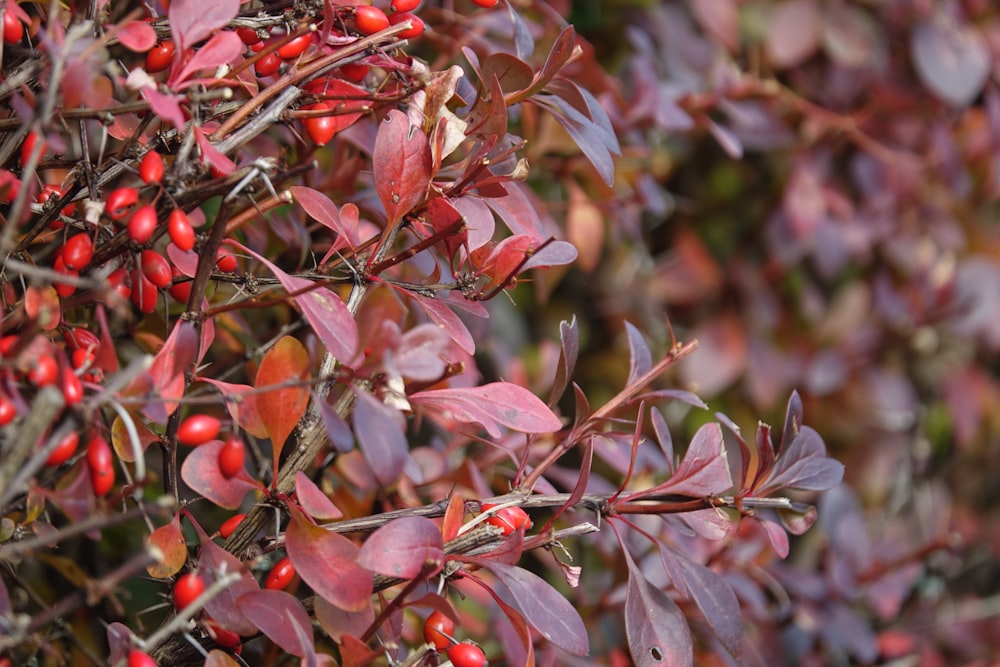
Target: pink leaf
x,y
479,221
658,634
379,429
211,156
200,471
793,32
329,317
242,405
137,36
282,618
402,165
193,20
555,253
439,311
803,464
215,562
177,355
167,107
315,503
420,354
328,563
337,622
223,48
404,548
542,606
322,209
492,405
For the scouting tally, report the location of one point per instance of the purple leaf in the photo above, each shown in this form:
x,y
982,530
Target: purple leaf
x,y
337,429
379,429
193,20
492,405
715,599
586,134
704,470
803,464
663,437
555,253
658,634
282,618
330,319
322,209
640,358
401,161
793,32
569,350
444,316
214,562
404,548
542,606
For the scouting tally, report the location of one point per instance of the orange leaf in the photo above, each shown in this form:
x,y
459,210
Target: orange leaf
x,y
281,408
169,539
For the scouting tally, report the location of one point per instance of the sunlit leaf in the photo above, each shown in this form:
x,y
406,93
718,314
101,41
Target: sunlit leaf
x,y
327,562
169,539
200,471
281,408
402,164
379,429
492,405
314,502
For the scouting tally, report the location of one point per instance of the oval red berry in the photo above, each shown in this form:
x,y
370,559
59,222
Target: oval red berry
x,y
198,429
231,458
280,575
187,589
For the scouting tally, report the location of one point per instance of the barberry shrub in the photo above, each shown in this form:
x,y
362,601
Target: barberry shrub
x,y
312,323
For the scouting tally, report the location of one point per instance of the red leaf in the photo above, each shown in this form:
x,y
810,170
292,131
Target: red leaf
x,y
401,161
444,316
336,622
177,355
193,20
658,634
381,438
167,107
315,503
280,409
223,48
404,548
442,214
200,471
282,618
137,36
211,156
213,563
490,406
329,317
328,563
453,517
241,404
542,606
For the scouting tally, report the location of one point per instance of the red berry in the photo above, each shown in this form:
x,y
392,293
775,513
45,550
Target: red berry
x,y
79,338
45,371
508,519
404,5
143,292
151,168
197,430
249,36
158,58
140,659
439,630
83,358
51,190
230,525
221,636
226,261
485,3
64,450
64,289
28,147
120,283
102,472
13,29
231,457
268,65
78,251
180,229
416,25
187,589
280,575
320,128
120,202
156,267
466,655
72,387
296,47
142,224
7,410
370,20
354,71
181,291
